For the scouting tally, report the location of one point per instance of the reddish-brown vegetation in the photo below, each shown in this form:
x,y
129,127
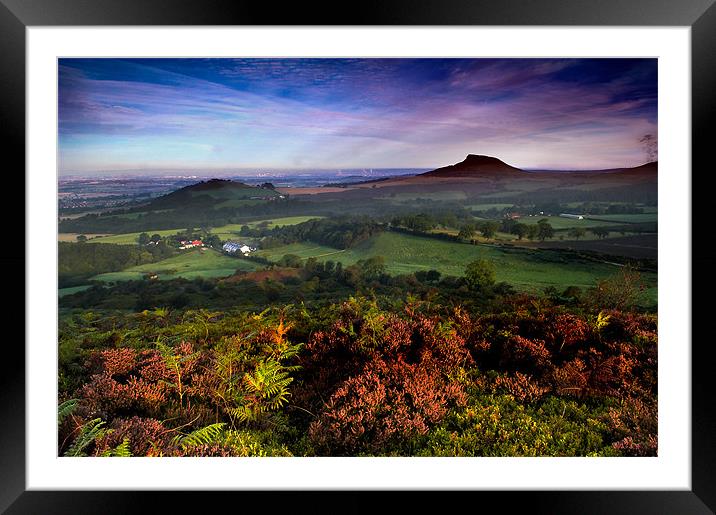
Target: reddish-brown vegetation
x,y
368,380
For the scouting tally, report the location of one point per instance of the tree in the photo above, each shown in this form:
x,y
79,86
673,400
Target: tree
x,y
520,230
650,146
427,275
600,232
329,266
544,230
623,291
372,268
466,232
480,275
532,231
433,275
156,238
290,261
212,240
143,238
81,238
577,232
489,229
508,225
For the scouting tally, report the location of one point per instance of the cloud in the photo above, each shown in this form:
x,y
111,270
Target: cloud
x,y
366,112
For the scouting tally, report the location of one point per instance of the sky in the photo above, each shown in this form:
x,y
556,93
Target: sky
x,y
279,114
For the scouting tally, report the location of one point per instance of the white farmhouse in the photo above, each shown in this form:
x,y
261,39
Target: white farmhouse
x,y
232,247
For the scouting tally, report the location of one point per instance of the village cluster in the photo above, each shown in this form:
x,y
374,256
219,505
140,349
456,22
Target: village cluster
x,y
230,247
190,244
233,247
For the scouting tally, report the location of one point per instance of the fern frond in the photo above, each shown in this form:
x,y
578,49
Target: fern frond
x,y
203,436
247,413
279,400
602,320
65,409
88,434
121,451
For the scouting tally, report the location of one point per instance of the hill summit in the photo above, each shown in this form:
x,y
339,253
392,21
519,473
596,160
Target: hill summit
x,y
475,164
212,194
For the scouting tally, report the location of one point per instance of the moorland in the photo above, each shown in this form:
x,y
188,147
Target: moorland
x,y
475,309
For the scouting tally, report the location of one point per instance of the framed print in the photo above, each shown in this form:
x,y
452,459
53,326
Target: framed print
x,y
418,249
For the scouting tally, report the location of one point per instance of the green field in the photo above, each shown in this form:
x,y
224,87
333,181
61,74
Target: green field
x,y
223,232
485,207
438,195
305,251
131,238
559,222
232,230
526,269
74,289
634,218
188,265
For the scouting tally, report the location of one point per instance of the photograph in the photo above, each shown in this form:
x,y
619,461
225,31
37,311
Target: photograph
x,y
357,257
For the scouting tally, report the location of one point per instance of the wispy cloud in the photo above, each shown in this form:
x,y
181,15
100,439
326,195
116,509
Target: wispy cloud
x,y
329,113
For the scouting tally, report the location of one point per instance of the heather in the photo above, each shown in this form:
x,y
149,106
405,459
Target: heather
x,y
516,376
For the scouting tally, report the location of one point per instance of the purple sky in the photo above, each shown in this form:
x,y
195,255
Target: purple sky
x,y
263,114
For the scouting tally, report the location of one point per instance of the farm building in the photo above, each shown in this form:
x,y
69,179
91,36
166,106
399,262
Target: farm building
x,y
232,247
191,244
574,217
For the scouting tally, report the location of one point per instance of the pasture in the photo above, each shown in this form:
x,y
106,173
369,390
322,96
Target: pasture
x,y
72,236
131,238
188,265
559,222
629,219
529,270
232,230
224,232
303,250
73,289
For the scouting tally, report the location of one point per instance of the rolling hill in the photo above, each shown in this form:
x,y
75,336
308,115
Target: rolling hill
x,y
490,179
474,165
217,192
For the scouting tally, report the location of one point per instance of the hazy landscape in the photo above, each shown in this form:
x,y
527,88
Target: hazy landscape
x,y
470,308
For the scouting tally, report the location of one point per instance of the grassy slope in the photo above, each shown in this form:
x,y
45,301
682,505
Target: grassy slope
x,y
223,232
633,218
558,222
130,238
305,251
231,231
526,269
74,289
189,265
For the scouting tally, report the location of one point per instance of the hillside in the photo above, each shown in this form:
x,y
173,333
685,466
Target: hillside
x,y
480,177
474,165
220,192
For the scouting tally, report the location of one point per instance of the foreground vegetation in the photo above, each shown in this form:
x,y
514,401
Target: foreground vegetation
x,y
519,377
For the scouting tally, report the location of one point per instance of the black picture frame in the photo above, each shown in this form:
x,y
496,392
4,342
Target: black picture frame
x,y
700,15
